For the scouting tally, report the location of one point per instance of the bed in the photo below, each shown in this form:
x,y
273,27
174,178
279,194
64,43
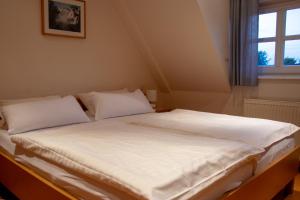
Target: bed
x,y
132,143
278,157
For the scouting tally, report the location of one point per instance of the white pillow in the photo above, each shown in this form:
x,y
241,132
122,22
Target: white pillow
x,y
87,99
116,105
5,102
35,115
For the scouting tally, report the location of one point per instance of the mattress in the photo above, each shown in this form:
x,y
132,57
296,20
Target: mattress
x,y
83,189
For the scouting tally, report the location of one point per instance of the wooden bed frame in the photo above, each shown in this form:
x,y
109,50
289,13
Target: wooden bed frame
x,y
28,185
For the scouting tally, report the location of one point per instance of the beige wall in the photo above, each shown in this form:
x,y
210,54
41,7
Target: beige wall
x,y
142,44
32,64
126,46
176,33
232,103
216,17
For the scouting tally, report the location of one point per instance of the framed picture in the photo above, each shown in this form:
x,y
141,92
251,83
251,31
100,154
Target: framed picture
x,y
64,18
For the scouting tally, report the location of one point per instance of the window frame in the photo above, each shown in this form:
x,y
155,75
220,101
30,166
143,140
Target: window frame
x,y
279,39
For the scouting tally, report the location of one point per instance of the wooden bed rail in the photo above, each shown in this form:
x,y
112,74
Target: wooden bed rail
x,y
26,184
271,181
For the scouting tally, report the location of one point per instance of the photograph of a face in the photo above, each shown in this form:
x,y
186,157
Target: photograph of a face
x,y
64,17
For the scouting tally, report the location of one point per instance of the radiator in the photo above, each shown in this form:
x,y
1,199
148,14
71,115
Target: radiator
x,y
275,110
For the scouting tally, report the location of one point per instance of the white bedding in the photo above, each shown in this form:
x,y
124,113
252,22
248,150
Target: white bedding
x,y
260,133
272,154
144,162
275,152
84,189
6,143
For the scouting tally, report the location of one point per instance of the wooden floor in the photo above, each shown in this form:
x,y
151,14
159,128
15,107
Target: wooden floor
x,y
296,195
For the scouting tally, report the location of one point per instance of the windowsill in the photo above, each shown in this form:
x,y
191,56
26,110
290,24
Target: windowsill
x,y
279,77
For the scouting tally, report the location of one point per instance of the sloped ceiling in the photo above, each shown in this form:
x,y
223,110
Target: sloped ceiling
x,y
182,40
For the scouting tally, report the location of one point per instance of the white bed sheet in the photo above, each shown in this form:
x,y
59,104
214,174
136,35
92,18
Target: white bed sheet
x,y
85,190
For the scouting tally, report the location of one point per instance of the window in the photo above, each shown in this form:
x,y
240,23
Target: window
x,y
279,40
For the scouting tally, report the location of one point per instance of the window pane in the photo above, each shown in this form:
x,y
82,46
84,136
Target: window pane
x,y
266,54
267,25
292,52
293,22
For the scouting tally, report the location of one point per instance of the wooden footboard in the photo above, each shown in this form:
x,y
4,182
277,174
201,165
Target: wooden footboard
x,y
27,185
271,181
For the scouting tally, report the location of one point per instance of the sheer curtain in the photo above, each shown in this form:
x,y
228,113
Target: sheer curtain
x,y
244,35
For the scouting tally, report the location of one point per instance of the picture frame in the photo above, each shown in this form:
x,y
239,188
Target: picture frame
x,y
65,18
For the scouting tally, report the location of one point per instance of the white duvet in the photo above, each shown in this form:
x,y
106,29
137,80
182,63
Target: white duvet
x,y
140,162
260,133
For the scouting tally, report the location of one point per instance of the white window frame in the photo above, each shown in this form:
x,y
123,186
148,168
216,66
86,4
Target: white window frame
x,y
279,67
